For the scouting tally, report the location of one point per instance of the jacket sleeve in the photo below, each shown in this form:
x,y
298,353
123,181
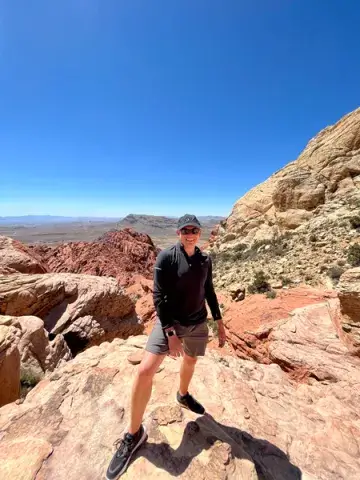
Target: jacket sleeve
x,y
210,295
161,290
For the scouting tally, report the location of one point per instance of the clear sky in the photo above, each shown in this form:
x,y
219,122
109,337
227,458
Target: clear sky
x,y
164,106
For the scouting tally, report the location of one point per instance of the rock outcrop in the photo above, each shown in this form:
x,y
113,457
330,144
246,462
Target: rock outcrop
x,y
118,254
84,309
15,257
345,310
259,424
38,353
9,362
300,222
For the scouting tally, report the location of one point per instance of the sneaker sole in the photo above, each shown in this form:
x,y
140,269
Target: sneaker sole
x,y
140,442
187,408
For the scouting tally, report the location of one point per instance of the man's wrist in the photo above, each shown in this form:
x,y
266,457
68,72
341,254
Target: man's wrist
x,y
170,332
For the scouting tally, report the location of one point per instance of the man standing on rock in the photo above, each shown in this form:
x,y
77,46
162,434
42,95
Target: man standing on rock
x,y
182,283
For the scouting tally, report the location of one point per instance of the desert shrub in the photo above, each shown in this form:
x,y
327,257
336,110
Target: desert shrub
x,y
271,294
341,262
353,255
335,272
285,281
213,324
355,222
313,238
29,379
260,283
308,277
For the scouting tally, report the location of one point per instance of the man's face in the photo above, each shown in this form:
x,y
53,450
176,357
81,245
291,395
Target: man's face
x,y
189,236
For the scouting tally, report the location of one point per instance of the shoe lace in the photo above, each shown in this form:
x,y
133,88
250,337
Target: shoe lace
x,y
123,446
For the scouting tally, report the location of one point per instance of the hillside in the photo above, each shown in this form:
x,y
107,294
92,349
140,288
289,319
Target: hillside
x,y
163,229
298,225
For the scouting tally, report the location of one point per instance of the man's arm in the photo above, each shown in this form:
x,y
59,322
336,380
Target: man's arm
x,y
210,295
161,290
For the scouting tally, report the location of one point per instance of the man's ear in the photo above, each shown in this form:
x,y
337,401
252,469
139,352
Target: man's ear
x,y
177,232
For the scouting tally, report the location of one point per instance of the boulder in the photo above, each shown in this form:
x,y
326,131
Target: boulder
x,y
84,309
15,257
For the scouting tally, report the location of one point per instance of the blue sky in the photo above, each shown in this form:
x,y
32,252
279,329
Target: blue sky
x,y
164,106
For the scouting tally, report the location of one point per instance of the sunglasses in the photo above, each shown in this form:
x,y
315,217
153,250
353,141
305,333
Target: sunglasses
x,y
189,231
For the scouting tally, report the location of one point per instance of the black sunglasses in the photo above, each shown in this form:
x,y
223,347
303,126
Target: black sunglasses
x,y
188,231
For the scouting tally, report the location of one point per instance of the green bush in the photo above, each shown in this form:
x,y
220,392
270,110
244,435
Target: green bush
x,y
353,255
260,283
355,222
29,379
285,281
213,324
335,272
271,294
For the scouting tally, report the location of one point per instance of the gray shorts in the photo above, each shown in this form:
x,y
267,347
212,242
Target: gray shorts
x,y
194,339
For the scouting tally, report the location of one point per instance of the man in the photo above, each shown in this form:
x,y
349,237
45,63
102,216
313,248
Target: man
x,y
182,283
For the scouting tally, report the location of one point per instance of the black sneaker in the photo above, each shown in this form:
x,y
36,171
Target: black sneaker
x,y
126,447
189,402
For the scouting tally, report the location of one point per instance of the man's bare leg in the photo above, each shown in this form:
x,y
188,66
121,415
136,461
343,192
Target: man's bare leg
x,y
141,391
186,373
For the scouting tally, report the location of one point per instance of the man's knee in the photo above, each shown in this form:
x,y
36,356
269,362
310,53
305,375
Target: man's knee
x,y
190,360
149,366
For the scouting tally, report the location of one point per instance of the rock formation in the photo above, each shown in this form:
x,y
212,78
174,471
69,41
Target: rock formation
x,y
259,424
9,362
299,223
15,257
118,254
345,310
84,309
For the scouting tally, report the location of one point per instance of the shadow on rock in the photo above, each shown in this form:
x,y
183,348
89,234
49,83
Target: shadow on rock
x,y
223,445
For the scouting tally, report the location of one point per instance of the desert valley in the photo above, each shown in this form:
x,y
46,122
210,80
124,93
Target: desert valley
x,y
282,396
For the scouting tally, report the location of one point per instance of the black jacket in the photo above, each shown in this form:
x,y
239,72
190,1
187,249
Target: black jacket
x,y
181,286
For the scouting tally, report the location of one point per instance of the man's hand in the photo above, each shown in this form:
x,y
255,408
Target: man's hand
x,y
221,333
175,347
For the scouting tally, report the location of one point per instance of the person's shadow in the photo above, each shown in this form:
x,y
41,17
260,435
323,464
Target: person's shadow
x,y
270,462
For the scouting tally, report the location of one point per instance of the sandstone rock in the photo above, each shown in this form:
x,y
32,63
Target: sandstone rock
x,y
15,257
316,194
85,309
258,424
345,311
119,254
38,354
9,362
249,326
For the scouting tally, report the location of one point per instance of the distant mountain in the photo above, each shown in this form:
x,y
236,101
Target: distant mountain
x,y
50,219
151,224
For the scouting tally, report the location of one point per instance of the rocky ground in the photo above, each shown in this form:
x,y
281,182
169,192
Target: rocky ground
x,y
259,424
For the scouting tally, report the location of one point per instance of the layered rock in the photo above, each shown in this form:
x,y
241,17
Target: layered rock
x,y
9,361
84,309
249,323
258,423
345,310
298,223
118,254
15,257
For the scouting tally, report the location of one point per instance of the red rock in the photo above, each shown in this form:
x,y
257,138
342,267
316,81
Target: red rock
x,y
257,313
120,254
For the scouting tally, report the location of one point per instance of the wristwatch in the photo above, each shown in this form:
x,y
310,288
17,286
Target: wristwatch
x,y
170,333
